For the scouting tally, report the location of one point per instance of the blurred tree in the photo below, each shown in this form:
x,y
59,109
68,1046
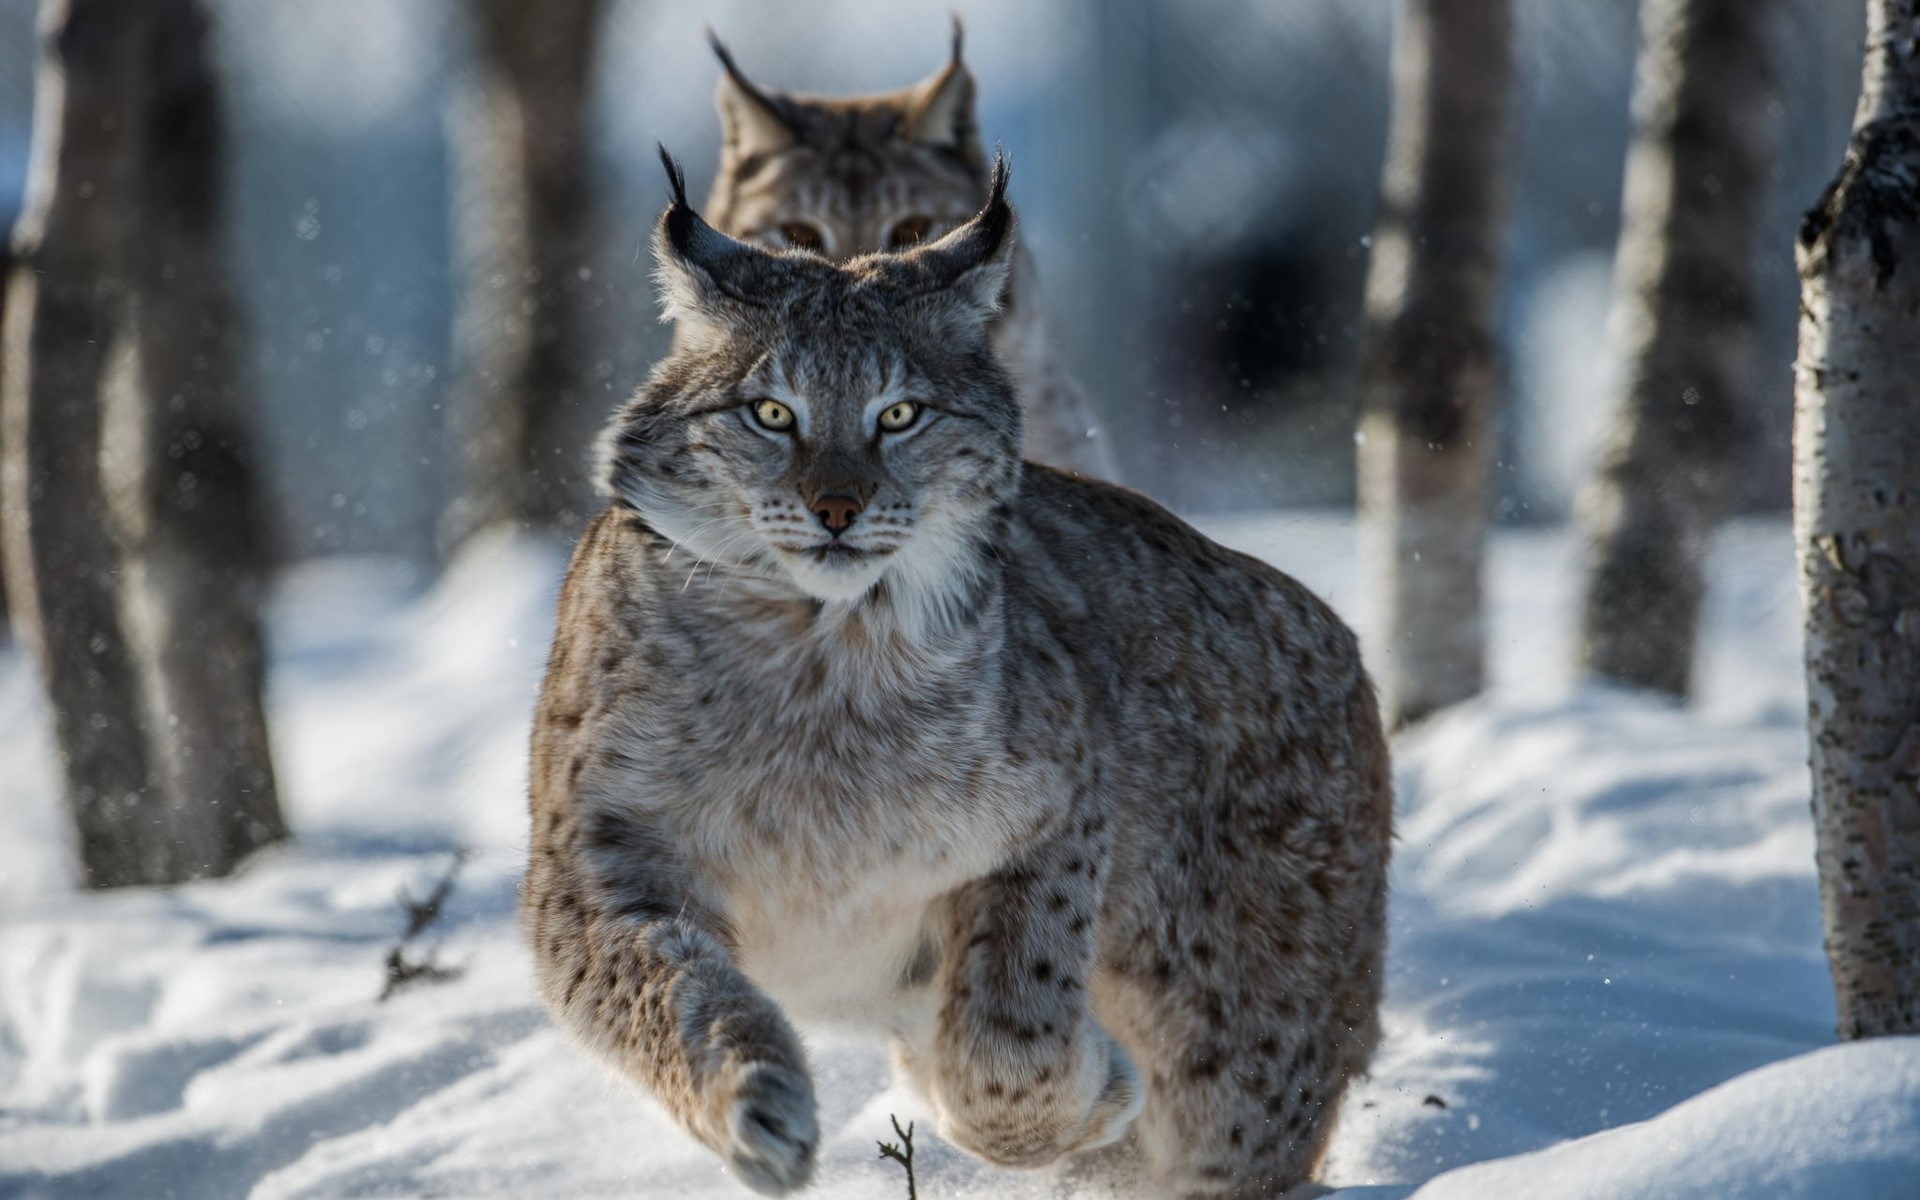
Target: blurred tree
x,y
118,252
1428,373
202,551
522,222
68,295
1857,524
1696,186
6,273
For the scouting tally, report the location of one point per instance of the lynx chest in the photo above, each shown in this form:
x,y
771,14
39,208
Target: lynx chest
x,y
825,803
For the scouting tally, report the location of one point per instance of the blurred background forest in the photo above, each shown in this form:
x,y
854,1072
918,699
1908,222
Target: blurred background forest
x,y
1198,182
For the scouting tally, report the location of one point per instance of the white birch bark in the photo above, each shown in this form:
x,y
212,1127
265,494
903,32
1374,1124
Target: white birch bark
x,y
1857,525
1428,364
1683,320
521,222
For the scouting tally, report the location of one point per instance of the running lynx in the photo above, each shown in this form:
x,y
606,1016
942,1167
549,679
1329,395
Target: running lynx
x,y
853,717
851,176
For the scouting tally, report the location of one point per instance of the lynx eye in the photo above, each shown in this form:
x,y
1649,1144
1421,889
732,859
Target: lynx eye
x,y
773,415
896,417
802,236
909,232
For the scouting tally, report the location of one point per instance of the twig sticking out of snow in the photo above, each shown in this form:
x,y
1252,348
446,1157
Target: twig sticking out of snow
x,y
902,1156
421,913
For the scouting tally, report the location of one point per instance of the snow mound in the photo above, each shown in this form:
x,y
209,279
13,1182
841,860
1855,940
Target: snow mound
x,y
1602,905
1844,1121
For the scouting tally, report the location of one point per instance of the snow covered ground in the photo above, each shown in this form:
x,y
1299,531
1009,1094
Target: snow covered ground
x,y
1606,976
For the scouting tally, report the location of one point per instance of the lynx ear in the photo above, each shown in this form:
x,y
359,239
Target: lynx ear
x,y
706,278
751,121
972,264
940,109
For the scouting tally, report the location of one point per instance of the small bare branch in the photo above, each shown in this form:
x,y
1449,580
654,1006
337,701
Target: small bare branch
x,y
902,1154
403,968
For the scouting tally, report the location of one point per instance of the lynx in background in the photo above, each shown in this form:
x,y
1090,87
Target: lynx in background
x,y
851,176
852,716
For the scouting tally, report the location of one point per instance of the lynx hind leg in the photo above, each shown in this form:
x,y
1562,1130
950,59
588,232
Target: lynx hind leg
x,y
1243,1114
1256,1132
1249,1000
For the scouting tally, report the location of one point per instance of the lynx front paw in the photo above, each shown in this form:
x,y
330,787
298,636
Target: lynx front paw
x,y
1028,1118
771,1130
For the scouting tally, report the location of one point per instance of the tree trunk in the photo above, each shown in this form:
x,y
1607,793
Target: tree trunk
x,y
202,555
6,274
1695,187
68,298
1857,523
162,737
522,217
1428,365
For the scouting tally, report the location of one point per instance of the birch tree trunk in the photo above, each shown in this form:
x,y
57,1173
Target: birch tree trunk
x,y
1428,365
522,222
6,275
1695,187
202,553
1857,524
162,737
67,301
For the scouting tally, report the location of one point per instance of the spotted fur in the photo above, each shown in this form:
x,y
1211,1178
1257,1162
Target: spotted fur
x,y
855,172
1087,814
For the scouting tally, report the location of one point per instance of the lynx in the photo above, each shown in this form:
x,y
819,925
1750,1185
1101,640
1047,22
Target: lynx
x,y
852,176
853,717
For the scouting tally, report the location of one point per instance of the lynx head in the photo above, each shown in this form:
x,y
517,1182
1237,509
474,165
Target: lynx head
x,y
852,176
842,429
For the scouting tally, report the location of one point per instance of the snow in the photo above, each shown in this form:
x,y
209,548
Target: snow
x,y
1842,1121
1605,978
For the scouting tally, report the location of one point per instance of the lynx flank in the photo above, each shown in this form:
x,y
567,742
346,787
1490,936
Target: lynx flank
x,y
852,176
851,716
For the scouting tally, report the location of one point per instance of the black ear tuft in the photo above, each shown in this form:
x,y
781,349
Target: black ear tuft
x,y
676,179
726,58
959,34
997,185
680,219
996,216
740,80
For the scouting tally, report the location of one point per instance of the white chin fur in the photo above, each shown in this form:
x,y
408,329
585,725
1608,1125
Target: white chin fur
x,y
832,580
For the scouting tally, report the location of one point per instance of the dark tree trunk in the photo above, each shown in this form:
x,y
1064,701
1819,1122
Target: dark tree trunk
x,y
1696,185
202,556
1857,523
1428,364
522,222
6,275
68,298
162,736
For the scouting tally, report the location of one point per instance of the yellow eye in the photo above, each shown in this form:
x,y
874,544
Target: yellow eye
x,y
802,236
773,415
896,417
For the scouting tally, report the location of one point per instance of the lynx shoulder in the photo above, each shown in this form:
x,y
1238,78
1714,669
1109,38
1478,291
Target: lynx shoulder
x,y
853,717
858,175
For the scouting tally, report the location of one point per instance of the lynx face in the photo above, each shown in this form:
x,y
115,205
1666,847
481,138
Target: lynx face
x,y
833,427
846,177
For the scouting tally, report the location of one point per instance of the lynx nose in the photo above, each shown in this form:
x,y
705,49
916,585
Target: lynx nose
x,y
836,512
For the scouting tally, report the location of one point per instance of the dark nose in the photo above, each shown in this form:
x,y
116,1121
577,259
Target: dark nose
x,y
836,512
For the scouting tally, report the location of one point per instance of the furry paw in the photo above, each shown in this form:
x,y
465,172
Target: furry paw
x,y
772,1131
1011,1125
